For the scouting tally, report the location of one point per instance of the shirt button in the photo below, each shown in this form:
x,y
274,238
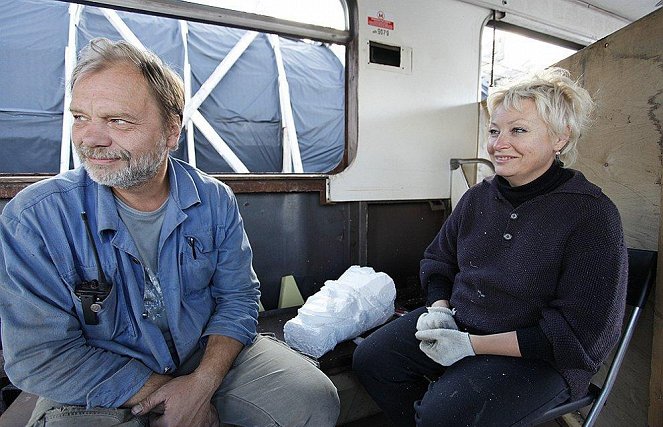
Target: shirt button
x,y
145,315
507,236
514,215
166,369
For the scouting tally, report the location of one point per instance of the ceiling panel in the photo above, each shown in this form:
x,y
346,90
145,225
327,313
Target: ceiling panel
x,y
631,9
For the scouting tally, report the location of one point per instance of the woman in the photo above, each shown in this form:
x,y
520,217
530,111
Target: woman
x,y
525,282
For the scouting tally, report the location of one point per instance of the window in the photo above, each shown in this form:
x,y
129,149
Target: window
x,y
516,52
256,101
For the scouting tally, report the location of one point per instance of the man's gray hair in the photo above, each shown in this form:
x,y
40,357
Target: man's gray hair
x,y
164,83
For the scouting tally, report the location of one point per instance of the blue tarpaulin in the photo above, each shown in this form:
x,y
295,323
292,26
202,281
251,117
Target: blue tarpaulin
x,y
243,108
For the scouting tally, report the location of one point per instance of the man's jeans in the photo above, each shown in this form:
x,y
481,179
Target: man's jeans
x,y
268,385
53,414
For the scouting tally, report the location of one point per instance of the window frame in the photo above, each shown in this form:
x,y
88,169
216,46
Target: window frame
x,y
10,184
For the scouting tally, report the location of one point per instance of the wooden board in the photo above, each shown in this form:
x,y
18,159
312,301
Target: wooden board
x,y
622,151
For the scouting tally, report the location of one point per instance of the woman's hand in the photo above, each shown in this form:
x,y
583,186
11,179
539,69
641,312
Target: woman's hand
x,y
436,318
445,346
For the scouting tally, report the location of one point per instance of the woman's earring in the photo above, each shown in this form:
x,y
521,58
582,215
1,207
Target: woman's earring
x,y
558,160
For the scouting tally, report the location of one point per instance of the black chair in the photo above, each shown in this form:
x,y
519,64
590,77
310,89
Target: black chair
x,y
641,276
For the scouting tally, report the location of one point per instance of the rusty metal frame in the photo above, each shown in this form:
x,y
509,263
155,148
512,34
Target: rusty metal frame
x,y
10,185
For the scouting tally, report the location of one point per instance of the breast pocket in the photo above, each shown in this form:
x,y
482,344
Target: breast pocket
x,y
198,261
112,318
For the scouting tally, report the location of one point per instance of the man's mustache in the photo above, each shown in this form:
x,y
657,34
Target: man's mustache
x,y
103,153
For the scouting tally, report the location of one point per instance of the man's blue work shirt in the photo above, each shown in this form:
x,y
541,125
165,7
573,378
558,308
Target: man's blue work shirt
x,y
205,270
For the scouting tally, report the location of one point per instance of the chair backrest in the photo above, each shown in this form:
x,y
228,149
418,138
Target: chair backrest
x,y
641,276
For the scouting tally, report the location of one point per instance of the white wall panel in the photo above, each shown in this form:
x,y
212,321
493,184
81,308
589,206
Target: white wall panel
x,y
412,122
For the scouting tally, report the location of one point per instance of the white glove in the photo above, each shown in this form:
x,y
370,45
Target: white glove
x,y
437,318
445,346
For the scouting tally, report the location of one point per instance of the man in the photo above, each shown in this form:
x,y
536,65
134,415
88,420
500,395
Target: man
x,y
161,325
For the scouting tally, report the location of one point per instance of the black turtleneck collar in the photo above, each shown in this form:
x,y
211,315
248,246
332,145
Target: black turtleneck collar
x,y
555,176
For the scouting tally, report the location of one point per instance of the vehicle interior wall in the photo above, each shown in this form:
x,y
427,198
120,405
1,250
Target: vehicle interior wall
x,y
414,118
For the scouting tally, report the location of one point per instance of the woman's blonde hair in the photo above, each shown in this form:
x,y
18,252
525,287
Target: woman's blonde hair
x,y
562,104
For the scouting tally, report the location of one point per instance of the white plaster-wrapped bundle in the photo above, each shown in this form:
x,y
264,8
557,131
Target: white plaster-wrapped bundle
x,y
359,300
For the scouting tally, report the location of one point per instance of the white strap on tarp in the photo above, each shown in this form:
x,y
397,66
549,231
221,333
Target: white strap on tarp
x,y
218,74
218,143
69,64
203,125
291,155
190,143
122,28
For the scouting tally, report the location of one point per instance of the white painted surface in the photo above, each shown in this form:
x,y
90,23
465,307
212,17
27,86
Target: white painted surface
x,y
411,124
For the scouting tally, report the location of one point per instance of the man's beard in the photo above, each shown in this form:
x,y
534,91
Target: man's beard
x,y
139,169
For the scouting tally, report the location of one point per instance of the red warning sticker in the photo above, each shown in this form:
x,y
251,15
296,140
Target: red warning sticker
x,y
380,22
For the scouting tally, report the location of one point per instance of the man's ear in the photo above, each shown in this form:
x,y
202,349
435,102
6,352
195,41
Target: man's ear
x,y
173,130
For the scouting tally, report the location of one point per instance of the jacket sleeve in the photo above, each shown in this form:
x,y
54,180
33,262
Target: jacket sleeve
x,y
235,286
583,322
534,344
44,347
439,266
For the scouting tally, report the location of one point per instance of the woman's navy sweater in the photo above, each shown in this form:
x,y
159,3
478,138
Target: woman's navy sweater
x,y
554,267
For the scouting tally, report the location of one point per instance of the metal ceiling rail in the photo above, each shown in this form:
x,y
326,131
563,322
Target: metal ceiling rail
x,y
231,18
